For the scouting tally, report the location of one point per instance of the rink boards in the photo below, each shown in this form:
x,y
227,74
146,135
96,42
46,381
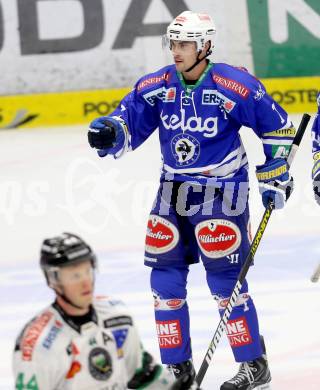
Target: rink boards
x,y
80,107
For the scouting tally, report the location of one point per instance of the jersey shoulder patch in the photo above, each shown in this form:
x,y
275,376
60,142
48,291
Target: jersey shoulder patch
x,y
32,333
237,82
105,306
156,79
112,312
20,335
118,320
101,302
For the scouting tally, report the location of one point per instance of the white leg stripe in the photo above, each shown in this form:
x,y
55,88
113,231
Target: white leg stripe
x,y
242,300
168,304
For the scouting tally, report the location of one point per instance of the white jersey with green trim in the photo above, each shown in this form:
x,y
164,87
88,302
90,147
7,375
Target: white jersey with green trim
x,y
53,352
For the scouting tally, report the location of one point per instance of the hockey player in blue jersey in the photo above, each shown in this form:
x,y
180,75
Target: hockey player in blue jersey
x,y
201,209
316,153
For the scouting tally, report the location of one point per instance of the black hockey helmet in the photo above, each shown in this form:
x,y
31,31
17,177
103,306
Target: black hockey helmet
x,y
63,250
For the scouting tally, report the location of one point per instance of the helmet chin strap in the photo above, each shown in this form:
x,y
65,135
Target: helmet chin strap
x,y
209,51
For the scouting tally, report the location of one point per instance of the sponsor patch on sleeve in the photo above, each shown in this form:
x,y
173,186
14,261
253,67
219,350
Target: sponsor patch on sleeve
x,y
152,81
33,333
53,333
281,133
232,85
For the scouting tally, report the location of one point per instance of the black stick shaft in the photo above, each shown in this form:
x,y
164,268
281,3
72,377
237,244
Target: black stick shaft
x,y
246,265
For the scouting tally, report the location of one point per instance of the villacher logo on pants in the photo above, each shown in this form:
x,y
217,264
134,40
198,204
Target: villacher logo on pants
x,y
169,334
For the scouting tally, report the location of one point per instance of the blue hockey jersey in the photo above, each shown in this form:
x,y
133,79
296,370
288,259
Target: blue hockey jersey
x,y
199,124
316,129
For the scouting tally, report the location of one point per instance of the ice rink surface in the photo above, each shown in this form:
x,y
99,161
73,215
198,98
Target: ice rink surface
x,y
51,182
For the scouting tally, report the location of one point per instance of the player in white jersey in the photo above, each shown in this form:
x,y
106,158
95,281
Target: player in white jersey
x,y
81,342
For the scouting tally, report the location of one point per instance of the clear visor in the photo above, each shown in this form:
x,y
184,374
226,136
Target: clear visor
x,y
182,45
71,275
165,42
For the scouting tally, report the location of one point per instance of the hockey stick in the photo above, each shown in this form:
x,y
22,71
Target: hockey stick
x,y
245,267
316,274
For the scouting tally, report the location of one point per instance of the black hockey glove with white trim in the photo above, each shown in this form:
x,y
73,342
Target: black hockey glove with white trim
x,y
102,133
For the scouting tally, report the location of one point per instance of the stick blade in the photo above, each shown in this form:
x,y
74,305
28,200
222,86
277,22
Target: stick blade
x,y
316,274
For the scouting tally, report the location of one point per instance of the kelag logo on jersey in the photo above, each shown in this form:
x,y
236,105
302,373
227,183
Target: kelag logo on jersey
x,y
166,95
212,97
207,126
185,149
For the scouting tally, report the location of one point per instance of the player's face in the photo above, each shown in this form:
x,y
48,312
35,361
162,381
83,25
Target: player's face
x,y
78,282
184,54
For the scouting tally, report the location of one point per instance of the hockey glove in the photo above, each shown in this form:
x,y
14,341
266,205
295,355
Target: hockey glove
x,y
275,182
151,376
316,176
107,134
